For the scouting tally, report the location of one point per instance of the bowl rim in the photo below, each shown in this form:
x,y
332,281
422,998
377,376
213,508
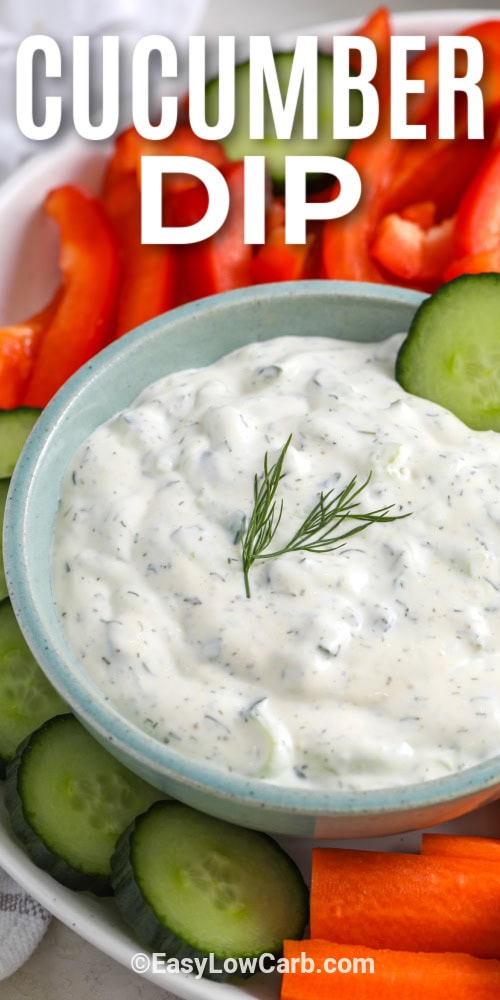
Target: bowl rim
x,y
104,720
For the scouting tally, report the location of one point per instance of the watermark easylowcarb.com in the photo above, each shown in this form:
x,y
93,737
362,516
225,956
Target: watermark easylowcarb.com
x,y
159,962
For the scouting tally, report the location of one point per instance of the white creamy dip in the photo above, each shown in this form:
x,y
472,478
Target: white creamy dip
x,y
373,665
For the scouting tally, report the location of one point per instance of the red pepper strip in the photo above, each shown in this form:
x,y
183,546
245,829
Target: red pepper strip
x,y
435,170
184,142
130,147
421,212
346,241
185,207
19,344
185,201
424,66
423,108
310,254
378,29
410,252
125,158
224,260
81,324
146,272
487,32
478,216
314,264
489,84
185,197
275,213
474,263
276,260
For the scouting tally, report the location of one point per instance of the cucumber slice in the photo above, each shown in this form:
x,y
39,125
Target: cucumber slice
x,y
451,354
26,697
238,144
4,489
68,801
15,425
193,886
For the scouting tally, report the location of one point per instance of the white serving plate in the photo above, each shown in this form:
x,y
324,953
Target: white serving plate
x,y
98,921
28,276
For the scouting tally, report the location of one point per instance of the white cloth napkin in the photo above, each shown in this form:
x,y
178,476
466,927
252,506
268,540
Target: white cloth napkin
x,y
23,921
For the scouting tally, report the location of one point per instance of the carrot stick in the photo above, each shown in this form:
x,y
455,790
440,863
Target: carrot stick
x,y
452,846
408,902
397,975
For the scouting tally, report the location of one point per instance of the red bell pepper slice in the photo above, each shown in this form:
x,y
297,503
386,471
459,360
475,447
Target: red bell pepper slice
x,y
346,241
423,213
395,174
277,260
146,284
184,142
488,33
19,344
178,208
130,147
125,158
423,108
377,27
184,201
478,216
17,354
81,324
424,66
223,261
474,263
435,170
409,251
185,198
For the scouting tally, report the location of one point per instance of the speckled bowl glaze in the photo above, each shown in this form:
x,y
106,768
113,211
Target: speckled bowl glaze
x,y
192,336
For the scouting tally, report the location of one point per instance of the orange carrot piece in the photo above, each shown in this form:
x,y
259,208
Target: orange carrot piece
x,y
453,846
407,902
397,975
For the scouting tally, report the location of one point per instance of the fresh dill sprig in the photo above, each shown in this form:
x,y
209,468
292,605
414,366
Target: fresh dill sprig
x,y
319,531
264,520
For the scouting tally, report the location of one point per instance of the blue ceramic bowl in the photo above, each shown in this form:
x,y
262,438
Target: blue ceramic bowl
x,y
192,336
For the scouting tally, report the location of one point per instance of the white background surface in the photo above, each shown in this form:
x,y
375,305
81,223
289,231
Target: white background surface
x,y
64,966
234,17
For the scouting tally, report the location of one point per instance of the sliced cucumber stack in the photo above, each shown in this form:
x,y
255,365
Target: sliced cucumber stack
x,y
238,144
15,426
68,801
451,354
27,699
4,489
192,886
